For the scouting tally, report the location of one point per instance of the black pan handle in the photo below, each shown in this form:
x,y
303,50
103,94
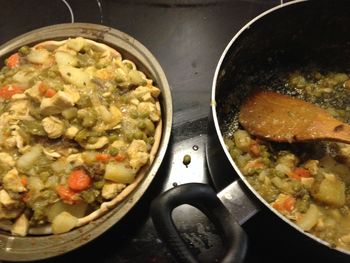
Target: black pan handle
x,y
204,198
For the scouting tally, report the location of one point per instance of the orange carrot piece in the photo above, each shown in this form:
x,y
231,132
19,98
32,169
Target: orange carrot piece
x,y
299,172
42,88
119,157
254,148
13,60
50,93
8,91
289,203
67,195
285,204
103,157
79,180
24,181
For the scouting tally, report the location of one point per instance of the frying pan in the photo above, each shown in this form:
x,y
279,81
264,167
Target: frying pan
x,y
288,37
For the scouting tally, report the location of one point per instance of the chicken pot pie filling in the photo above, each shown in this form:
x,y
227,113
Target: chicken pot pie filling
x,y
79,126
308,183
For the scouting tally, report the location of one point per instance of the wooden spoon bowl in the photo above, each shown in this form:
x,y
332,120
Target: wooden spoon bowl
x,y
281,118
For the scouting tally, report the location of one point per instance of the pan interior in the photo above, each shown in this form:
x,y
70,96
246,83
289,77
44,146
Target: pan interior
x,y
305,37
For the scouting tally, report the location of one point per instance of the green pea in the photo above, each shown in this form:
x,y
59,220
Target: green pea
x,y
70,113
129,137
138,135
141,124
150,140
99,184
24,50
133,113
150,128
113,151
186,160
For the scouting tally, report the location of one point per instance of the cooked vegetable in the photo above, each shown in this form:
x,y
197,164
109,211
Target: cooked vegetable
x,y
72,133
13,60
27,160
8,91
63,223
119,173
308,183
330,191
77,210
78,180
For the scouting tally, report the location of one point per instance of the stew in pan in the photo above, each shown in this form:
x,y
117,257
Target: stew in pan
x,y
309,182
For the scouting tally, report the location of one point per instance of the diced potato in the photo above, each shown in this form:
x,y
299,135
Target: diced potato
x,y
119,173
27,160
21,226
38,56
35,184
77,210
63,223
242,140
330,191
64,58
74,75
309,219
288,159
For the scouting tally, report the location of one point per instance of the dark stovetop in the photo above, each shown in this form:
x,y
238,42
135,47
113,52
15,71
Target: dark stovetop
x,y
187,37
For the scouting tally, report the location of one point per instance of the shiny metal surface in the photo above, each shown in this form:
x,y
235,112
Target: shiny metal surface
x,y
40,247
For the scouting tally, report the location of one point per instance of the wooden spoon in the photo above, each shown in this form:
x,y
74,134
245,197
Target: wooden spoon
x,y
282,118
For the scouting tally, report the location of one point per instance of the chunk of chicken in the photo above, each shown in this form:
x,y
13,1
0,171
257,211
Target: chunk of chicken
x,y
53,127
21,226
73,93
150,109
34,92
75,159
54,105
52,155
20,107
111,190
141,91
102,141
7,159
12,181
38,56
119,145
71,132
137,153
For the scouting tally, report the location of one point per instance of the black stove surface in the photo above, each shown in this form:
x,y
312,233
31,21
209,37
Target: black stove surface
x,y
187,37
